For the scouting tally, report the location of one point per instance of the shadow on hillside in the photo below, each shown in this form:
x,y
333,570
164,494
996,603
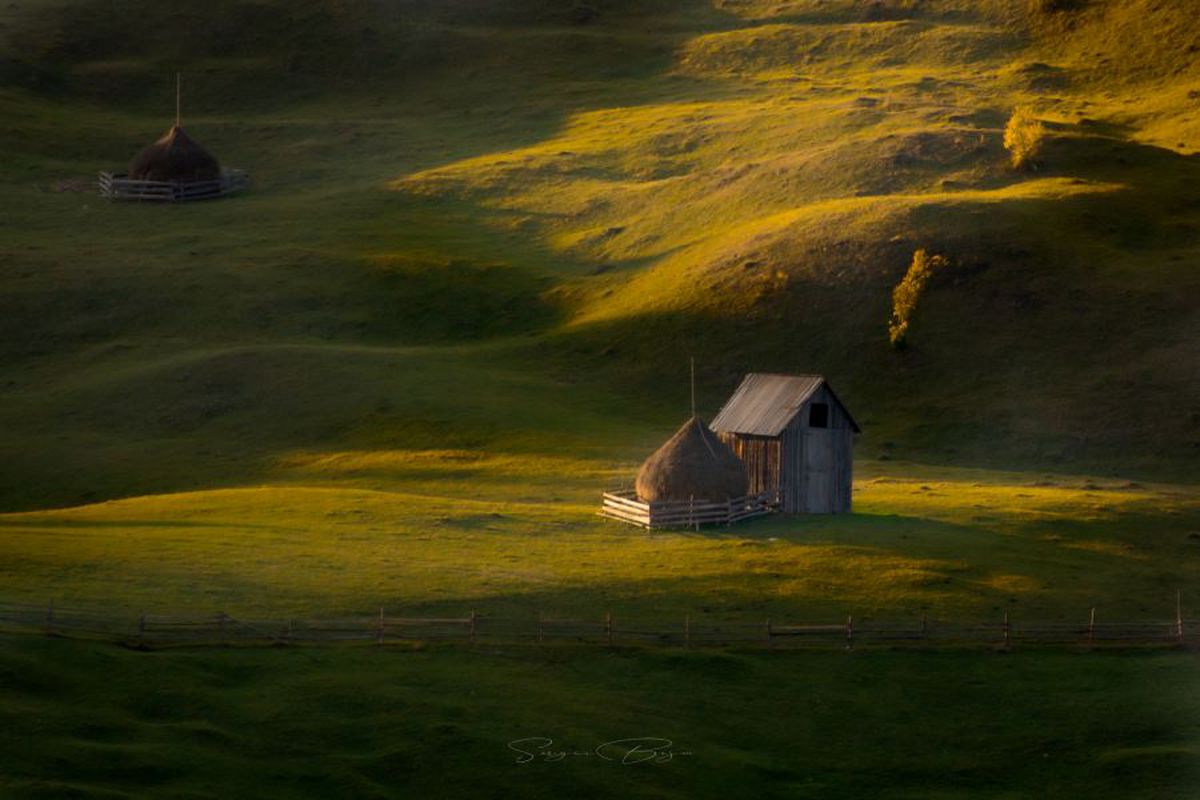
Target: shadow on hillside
x,y
70,523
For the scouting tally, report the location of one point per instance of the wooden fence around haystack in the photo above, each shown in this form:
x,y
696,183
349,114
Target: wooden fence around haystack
x,y
626,507
158,630
118,186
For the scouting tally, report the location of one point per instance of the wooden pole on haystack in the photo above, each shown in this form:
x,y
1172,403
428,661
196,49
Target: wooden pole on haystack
x,y
693,387
178,99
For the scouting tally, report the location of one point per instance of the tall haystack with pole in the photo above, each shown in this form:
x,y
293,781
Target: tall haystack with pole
x,y
174,168
175,157
692,465
693,479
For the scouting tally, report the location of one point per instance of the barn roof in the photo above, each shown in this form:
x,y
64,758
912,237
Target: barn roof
x,y
764,404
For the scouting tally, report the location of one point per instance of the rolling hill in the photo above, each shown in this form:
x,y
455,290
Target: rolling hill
x,y
592,194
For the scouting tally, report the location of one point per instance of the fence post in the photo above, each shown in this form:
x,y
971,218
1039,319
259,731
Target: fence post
x,y
221,627
924,625
1178,616
540,631
687,631
850,632
50,618
608,627
474,623
1007,631
379,632
770,635
1092,627
289,632
142,629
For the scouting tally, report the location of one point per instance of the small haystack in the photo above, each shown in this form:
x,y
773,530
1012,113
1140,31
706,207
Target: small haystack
x,y
173,169
175,157
693,465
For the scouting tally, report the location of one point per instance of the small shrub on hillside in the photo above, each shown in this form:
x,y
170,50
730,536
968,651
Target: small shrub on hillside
x,y
908,292
1023,138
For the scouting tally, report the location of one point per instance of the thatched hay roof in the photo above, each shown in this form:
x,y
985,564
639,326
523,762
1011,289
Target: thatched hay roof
x,y
174,157
693,464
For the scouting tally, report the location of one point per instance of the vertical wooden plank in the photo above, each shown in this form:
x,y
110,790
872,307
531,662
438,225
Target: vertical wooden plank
x,y
848,469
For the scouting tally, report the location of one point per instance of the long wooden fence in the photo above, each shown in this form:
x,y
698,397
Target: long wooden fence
x,y
162,630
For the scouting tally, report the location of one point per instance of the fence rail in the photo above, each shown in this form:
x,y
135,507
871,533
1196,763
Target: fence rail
x,y
624,506
118,186
159,630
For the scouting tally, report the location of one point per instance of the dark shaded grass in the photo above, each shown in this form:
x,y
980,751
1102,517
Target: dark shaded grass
x,y
382,723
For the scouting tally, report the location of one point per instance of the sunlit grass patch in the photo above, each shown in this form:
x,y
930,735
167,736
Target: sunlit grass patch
x,y
452,530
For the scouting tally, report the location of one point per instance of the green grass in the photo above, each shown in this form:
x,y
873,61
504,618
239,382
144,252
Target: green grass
x,y
482,243
365,722
514,534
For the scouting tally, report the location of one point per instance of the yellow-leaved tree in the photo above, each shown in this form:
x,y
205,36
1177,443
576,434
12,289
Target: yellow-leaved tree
x,y
908,292
1023,137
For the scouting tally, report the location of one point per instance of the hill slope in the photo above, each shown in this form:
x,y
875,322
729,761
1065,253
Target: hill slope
x,y
507,225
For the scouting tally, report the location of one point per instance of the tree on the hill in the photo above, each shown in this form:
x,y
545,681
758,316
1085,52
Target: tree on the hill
x,y
1023,137
908,291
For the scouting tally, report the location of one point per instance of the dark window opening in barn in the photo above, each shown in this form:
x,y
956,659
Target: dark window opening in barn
x,y
818,415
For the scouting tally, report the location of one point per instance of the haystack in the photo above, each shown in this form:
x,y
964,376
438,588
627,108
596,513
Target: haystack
x,y
175,157
693,465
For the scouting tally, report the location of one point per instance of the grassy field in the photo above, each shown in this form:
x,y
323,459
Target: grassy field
x,y
79,721
515,535
459,301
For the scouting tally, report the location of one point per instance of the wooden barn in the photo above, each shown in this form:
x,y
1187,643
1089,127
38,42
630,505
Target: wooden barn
x,y
794,435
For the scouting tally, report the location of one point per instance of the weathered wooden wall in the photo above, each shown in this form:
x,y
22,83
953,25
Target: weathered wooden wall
x,y
812,467
760,454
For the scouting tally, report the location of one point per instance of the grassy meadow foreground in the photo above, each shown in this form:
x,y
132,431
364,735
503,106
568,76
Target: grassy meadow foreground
x,y
386,722
459,301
